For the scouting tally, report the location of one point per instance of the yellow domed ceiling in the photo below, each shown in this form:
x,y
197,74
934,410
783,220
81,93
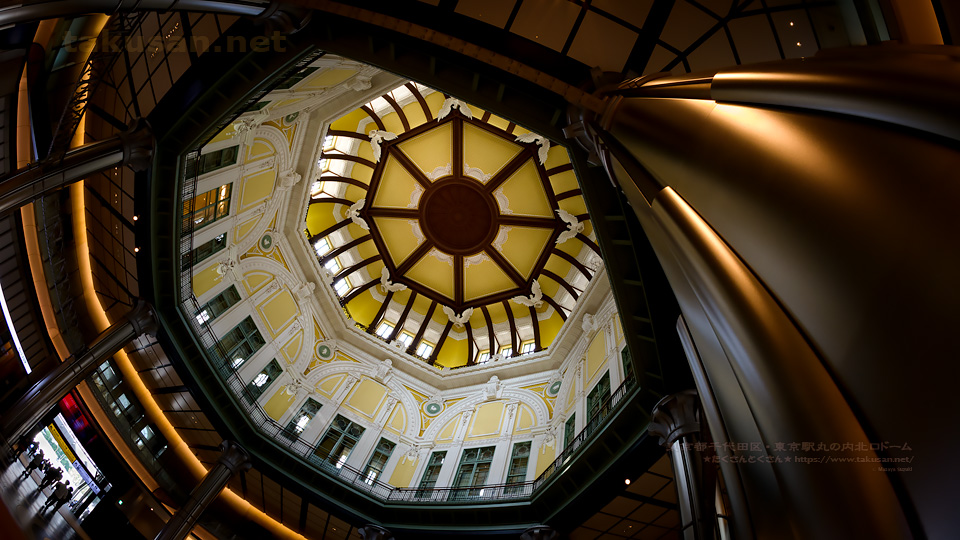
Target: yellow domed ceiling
x,y
456,233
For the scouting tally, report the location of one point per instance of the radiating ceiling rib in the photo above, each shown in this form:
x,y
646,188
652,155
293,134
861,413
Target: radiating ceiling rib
x,y
347,133
528,221
470,355
443,337
508,169
334,200
374,116
536,329
492,343
505,266
409,165
423,327
329,230
396,106
569,193
457,145
347,271
458,279
403,317
513,328
556,306
339,250
372,327
589,243
404,213
412,259
423,103
563,283
349,157
573,260
345,180
559,169
359,290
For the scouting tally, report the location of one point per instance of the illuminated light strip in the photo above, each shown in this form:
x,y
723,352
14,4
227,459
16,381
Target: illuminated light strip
x,y
13,332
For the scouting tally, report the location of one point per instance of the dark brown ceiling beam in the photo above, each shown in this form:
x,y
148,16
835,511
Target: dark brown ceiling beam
x,y
583,217
590,243
509,169
458,279
347,271
443,337
514,346
560,169
423,328
511,127
492,345
470,356
348,157
547,186
410,166
358,291
412,259
374,116
345,180
556,306
563,283
569,193
529,221
351,244
406,213
505,266
332,200
396,106
573,260
350,134
423,103
372,327
536,330
403,317
485,117
456,146
331,229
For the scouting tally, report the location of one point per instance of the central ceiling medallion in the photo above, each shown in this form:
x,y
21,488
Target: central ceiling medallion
x,y
461,211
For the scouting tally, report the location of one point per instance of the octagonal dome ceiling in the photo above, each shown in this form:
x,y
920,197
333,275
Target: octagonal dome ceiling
x,y
449,231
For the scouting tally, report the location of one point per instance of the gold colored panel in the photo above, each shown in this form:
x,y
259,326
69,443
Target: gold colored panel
x,y
403,473
524,246
328,386
448,430
483,279
278,404
256,188
293,347
205,280
596,354
255,280
486,421
367,397
278,311
486,151
430,150
523,194
434,273
397,188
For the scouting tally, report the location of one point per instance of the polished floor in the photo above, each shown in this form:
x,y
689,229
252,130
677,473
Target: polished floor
x,y
23,503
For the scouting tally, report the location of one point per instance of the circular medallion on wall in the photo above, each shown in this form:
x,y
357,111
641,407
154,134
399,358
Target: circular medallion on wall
x,y
553,389
325,350
432,408
291,117
266,242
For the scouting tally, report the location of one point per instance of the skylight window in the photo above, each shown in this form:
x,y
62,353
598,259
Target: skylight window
x,y
506,351
333,265
483,357
342,287
384,329
424,350
527,347
322,246
406,338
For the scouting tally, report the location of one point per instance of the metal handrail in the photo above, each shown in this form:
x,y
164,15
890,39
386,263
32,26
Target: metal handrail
x,y
216,355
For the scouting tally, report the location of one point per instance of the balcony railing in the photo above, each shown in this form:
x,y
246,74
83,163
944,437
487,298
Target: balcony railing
x,y
305,450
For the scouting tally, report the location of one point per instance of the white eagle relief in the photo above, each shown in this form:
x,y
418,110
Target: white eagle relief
x,y
453,103
354,214
539,139
376,137
574,226
387,284
534,300
458,320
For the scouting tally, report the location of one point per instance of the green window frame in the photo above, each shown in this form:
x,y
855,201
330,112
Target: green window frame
x,y
206,250
259,384
208,207
378,461
299,421
294,79
570,430
598,398
339,441
240,343
432,471
519,461
218,159
218,305
472,472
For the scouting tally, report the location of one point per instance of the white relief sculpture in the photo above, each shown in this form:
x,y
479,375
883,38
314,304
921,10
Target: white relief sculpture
x,y
534,300
417,232
475,259
306,290
458,320
441,171
539,139
502,201
415,196
359,83
588,324
475,172
442,257
501,238
376,137
453,103
354,214
288,179
389,286
574,226
383,369
493,388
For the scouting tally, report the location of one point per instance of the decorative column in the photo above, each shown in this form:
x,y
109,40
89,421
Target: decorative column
x,y
374,532
676,420
540,532
233,459
133,148
44,395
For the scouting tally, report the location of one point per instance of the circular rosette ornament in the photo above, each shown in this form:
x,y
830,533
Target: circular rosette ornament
x,y
266,242
552,389
326,350
432,408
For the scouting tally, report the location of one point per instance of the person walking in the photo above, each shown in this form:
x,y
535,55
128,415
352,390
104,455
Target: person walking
x,y
57,497
53,474
34,463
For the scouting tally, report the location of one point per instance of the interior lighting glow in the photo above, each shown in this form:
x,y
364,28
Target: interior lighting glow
x,y
13,332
